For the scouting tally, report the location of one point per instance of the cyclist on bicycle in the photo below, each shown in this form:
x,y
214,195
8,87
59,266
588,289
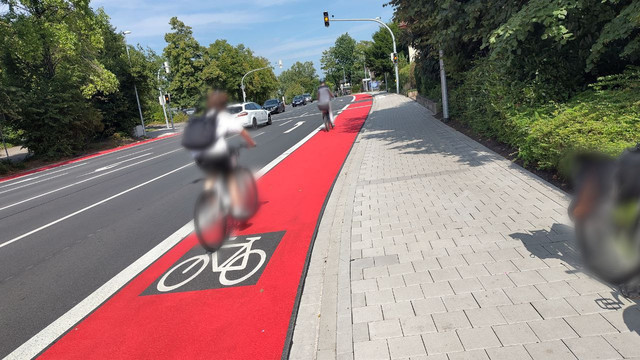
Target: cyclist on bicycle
x,y
324,100
215,161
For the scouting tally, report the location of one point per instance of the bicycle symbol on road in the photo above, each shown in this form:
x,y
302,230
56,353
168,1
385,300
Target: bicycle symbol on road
x,y
239,262
234,264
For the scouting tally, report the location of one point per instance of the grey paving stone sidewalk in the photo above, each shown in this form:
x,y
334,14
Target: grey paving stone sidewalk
x,y
434,247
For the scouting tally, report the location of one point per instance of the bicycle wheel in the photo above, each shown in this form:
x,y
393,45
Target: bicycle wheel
x,y
610,241
211,222
247,190
254,263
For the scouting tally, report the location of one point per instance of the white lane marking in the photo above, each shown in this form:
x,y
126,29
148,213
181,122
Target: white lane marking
x,y
297,125
285,123
285,154
255,136
63,168
85,180
53,331
133,153
31,183
92,206
111,166
46,336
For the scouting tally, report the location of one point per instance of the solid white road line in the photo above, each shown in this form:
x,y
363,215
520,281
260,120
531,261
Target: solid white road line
x,y
297,125
56,329
110,166
91,206
85,180
42,174
133,153
46,336
31,183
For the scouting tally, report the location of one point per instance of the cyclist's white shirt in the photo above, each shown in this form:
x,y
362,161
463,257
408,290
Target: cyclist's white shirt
x,y
227,126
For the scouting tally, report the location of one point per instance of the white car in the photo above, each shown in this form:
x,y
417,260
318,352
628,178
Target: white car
x,y
250,114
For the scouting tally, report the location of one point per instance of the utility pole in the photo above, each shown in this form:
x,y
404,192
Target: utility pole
x,y
4,121
443,85
135,88
395,51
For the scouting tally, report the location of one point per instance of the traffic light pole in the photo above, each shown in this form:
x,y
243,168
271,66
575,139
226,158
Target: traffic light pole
x,y
395,51
166,120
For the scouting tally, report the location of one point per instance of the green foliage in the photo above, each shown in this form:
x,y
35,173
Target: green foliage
x,y
186,62
293,90
49,53
379,53
544,76
302,74
345,60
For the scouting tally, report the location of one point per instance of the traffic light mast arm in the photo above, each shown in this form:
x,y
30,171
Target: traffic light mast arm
x,y
395,51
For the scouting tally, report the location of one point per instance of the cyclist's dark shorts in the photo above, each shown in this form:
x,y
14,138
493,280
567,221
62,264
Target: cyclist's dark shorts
x,y
323,107
215,165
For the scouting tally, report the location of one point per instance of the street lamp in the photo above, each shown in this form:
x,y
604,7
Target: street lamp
x,y
379,21
135,88
244,95
165,67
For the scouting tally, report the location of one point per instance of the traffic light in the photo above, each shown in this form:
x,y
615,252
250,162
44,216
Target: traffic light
x,y
167,98
326,19
394,58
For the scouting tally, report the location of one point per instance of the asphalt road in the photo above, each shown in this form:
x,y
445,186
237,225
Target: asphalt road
x,y
66,231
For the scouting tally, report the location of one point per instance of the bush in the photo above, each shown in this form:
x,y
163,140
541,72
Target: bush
x,y
604,118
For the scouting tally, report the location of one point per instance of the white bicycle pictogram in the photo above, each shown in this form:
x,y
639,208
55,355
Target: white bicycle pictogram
x,y
236,262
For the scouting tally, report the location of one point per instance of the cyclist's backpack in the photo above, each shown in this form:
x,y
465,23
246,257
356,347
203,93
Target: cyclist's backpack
x,y
200,132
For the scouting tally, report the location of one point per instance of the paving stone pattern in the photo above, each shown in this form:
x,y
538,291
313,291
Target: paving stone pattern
x,y
434,247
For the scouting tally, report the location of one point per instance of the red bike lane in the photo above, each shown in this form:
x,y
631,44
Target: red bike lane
x,y
213,314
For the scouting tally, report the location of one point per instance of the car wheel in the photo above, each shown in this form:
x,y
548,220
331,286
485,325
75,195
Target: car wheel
x,y
269,122
254,124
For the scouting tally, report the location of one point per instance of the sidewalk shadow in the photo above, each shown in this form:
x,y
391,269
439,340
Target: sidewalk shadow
x,y
417,132
559,243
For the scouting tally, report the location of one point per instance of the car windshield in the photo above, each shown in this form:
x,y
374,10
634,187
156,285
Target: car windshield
x,y
297,97
271,102
234,109
306,95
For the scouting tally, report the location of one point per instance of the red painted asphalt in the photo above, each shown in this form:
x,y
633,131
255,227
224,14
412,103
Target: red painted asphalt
x,y
82,158
242,322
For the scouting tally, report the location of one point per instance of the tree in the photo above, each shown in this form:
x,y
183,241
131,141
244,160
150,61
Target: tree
x,y
338,61
379,53
49,56
302,74
185,56
225,65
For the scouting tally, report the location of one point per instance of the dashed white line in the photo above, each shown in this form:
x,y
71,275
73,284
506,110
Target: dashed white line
x,y
31,183
133,153
85,180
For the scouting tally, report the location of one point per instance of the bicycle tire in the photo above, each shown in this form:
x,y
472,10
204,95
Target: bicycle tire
x,y
250,203
210,239
598,253
224,280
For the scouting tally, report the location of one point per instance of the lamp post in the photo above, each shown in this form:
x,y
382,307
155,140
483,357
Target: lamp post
x,y
244,95
135,88
165,67
393,38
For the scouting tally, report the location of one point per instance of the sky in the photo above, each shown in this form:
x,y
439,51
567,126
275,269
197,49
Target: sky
x,y
287,30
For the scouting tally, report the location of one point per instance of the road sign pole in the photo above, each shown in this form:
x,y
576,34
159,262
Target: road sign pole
x,y
443,85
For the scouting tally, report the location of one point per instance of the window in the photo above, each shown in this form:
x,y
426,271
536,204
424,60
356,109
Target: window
x,y
234,109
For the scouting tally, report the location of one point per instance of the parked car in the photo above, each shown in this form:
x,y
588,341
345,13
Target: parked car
x,y
298,100
308,98
250,114
274,106
189,111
